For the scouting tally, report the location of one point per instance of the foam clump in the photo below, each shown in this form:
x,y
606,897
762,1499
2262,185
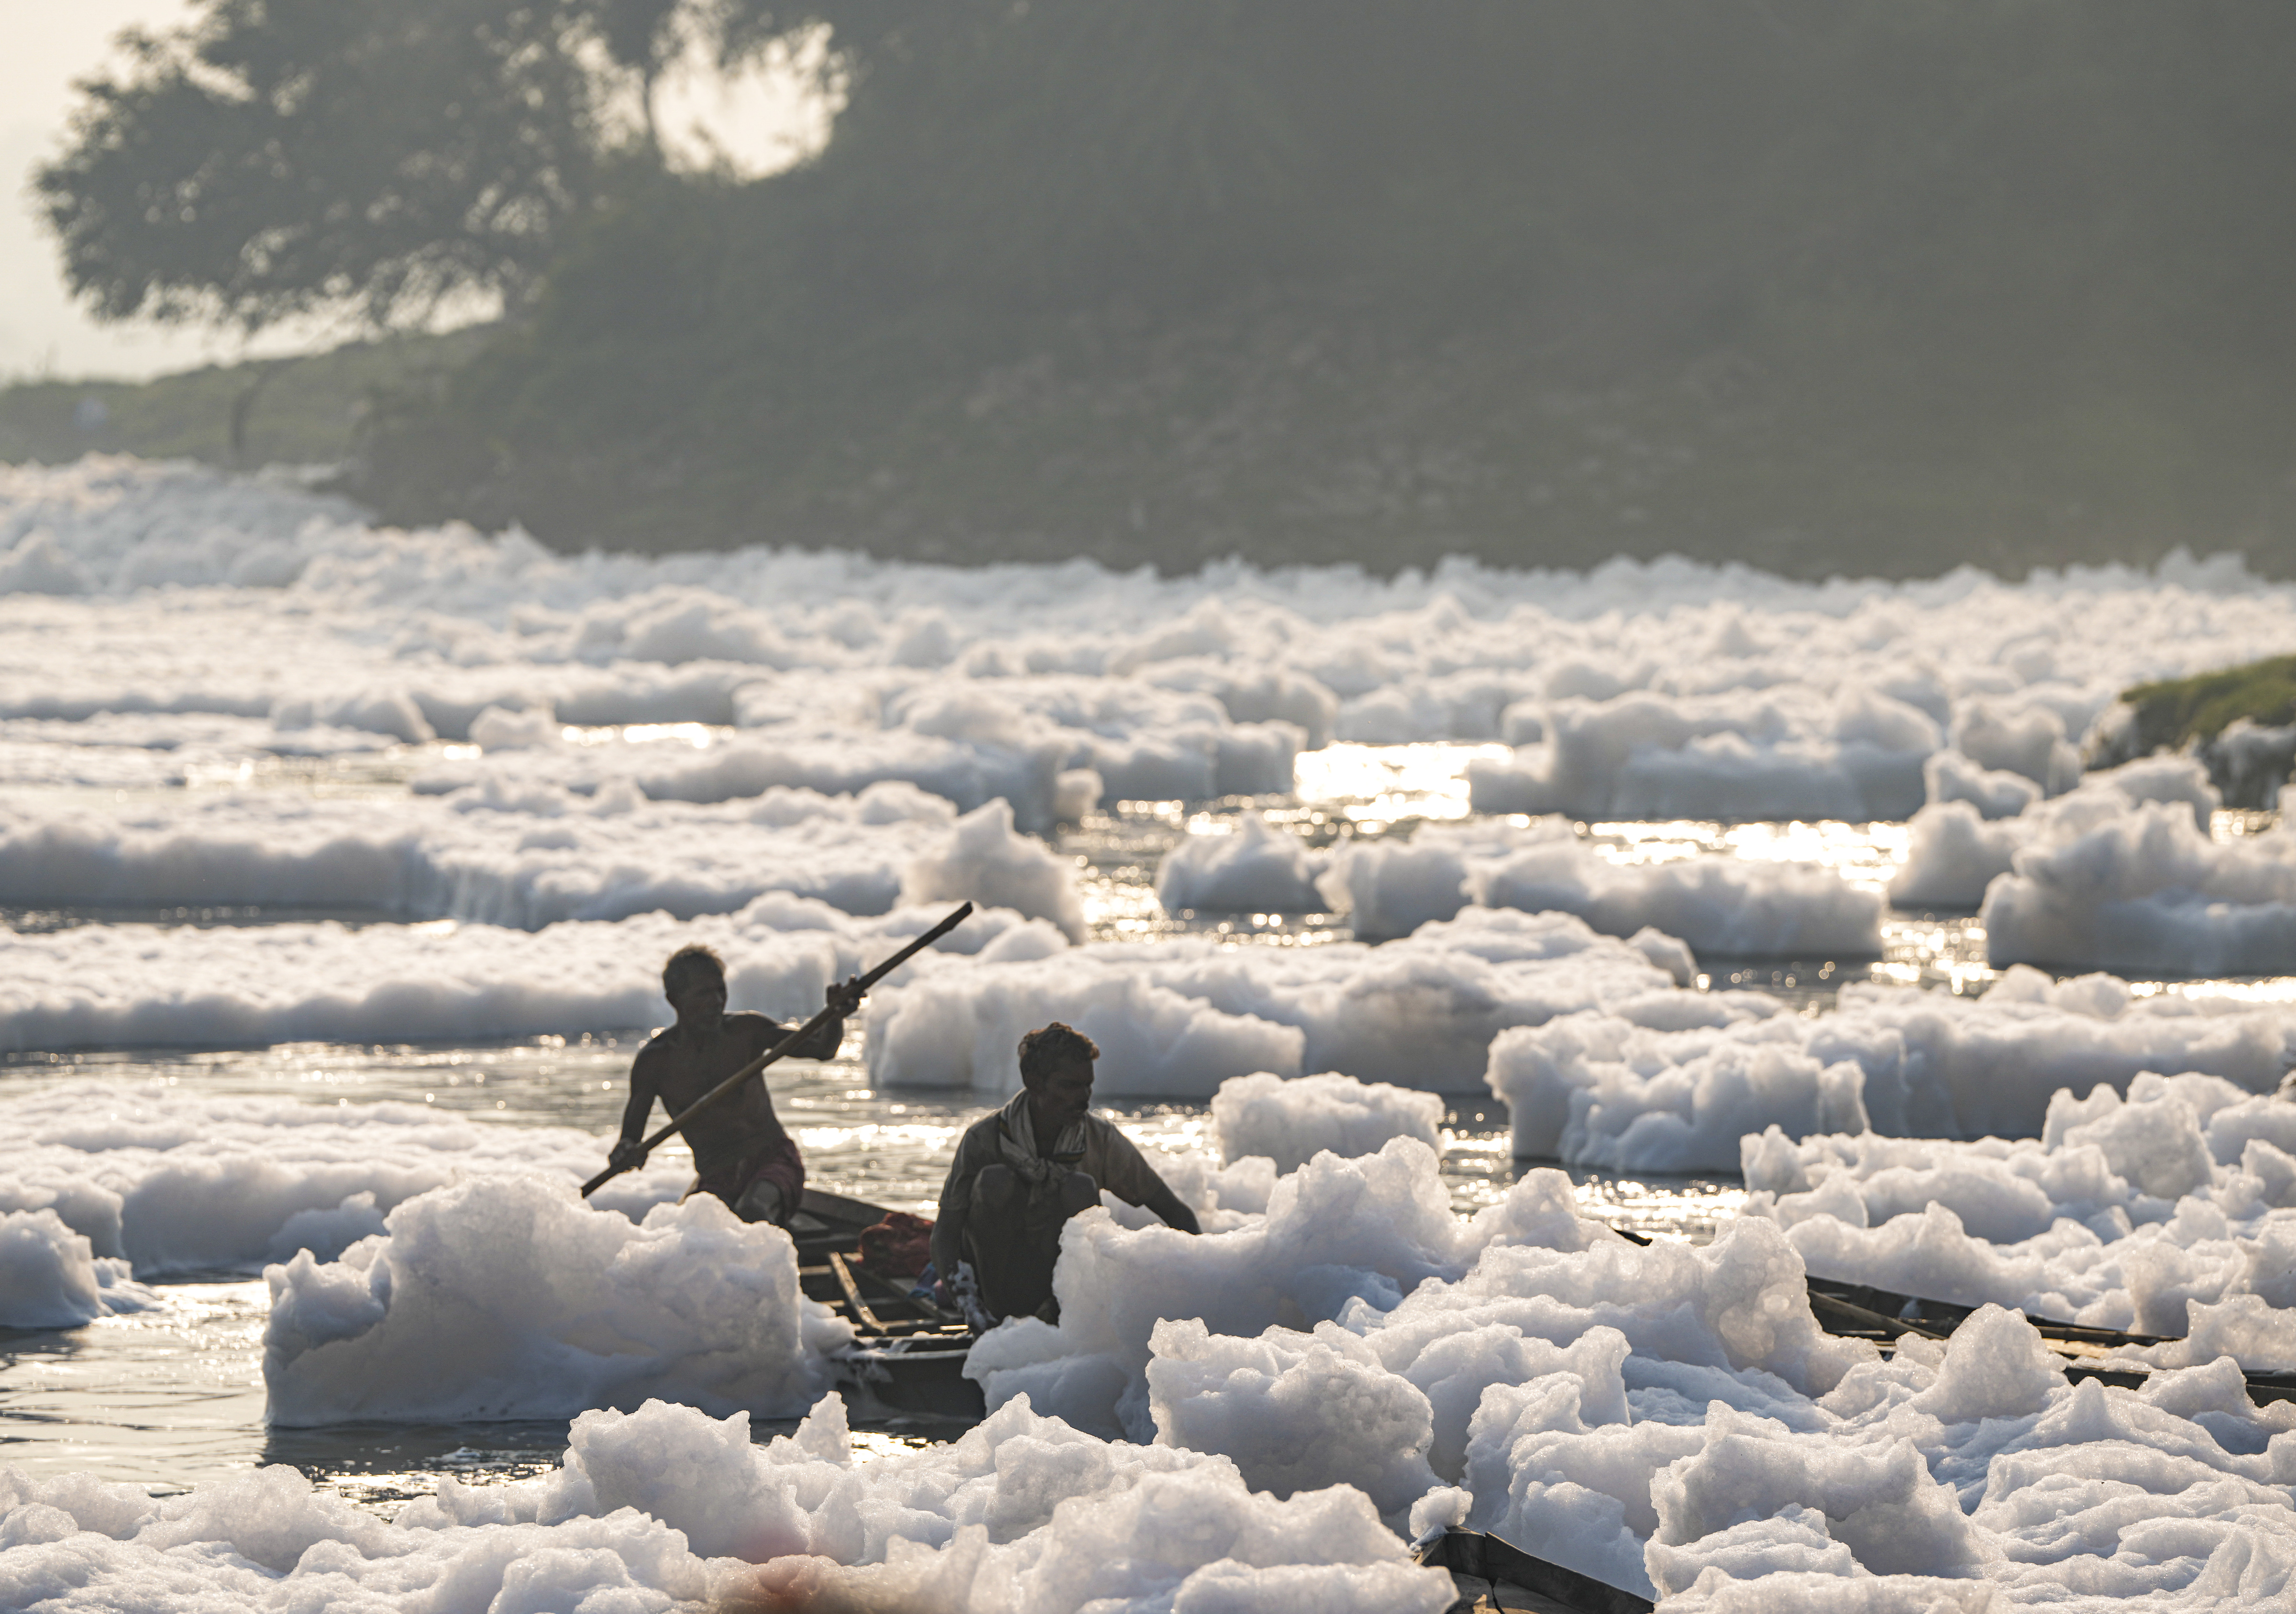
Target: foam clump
x,y
1290,1122
1671,1080
2170,1212
1976,822
2120,873
298,982
1339,1235
1800,1591
50,1276
665,1506
160,1179
534,858
1047,745
1253,868
1175,1019
1662,689
985,862
2144,890
1829,748
1714,905
507,1297
1670,1420
1296,1412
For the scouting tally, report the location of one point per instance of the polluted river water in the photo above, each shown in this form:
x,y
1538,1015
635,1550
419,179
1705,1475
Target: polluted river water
x,y
174,1395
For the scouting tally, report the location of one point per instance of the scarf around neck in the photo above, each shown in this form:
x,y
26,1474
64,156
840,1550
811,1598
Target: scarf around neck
x,y
1016,1141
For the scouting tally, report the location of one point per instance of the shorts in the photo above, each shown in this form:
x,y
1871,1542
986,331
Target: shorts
x,y
777,1169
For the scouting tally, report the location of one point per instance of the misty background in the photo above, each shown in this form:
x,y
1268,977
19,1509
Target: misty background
x,y
1866,286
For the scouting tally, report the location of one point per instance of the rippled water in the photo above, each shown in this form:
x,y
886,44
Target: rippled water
x,y
171,1397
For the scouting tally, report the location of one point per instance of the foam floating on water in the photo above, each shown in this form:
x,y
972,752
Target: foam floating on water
x,y
664,1506
160,1180
533,860
1667,1419
1638,689
1670,1081
1713,904
2120,873
1791,753
509,1297
2171,1211
1175,1018
50,1276
1253,868
129,985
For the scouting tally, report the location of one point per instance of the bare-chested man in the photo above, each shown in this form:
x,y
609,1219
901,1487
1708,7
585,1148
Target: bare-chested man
x,y
741,1151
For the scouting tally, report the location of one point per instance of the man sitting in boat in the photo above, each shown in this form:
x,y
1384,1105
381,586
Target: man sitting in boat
x,y
741,1151
1023,1172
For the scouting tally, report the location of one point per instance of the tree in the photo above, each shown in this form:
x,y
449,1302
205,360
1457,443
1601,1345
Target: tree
x,y
642,35
280,156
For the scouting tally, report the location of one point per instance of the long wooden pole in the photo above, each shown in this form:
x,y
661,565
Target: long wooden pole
x,y
864,983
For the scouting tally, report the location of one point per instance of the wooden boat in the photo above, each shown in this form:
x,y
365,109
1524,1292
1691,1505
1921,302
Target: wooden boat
x,y
1494,1575
1863,1312
1859,1311
907,1361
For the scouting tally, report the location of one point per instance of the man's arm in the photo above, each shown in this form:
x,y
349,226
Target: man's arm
x,y
1169,1206
626,1155
955,1201
842,998
1132,1179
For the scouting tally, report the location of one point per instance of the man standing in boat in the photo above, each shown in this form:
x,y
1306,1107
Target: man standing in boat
x,y
741,1150
1021,1173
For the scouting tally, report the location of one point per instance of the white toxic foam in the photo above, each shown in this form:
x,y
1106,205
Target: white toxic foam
x,y
1667,1419
1996,793
1671,1080
2121,873
2144,892
51,1277
666,1507
984,862
1855,754
511,1297
1177,1017
968,741
1290,1122
2170,1212
1658,689
1252,867
1714,905
1960,844
532,859
164,1179
244,986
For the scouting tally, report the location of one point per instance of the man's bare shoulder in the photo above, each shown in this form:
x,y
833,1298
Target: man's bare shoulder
x,y
659,1050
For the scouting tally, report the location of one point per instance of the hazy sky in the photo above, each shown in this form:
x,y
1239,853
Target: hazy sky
x,y
49,43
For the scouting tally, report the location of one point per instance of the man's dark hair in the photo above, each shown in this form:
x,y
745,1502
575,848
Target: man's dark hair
x,y
689,960
1047,1048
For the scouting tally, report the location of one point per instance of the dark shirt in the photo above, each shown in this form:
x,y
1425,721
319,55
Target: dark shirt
x,y
1109,1158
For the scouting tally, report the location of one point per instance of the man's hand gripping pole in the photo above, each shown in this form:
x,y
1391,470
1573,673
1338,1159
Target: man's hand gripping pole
x,y
861,985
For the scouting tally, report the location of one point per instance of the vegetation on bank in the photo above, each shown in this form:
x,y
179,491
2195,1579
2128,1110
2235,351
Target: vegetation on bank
x,y
2176,712
311,410
1875,286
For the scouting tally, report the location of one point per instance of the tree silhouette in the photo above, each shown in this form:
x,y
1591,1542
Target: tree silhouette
x,y
276,156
